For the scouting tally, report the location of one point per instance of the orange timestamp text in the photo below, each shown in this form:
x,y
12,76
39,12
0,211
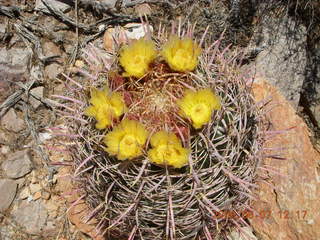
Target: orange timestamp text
x,y
262,214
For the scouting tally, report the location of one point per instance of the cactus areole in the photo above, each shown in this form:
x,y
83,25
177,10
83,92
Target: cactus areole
x,y
169,138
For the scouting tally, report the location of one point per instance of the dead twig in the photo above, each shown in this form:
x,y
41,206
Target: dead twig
x,y
66,20
34,134
28,36
10,102
15,97
11,12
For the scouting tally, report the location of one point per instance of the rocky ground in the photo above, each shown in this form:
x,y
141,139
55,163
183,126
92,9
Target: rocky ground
x,y
41,40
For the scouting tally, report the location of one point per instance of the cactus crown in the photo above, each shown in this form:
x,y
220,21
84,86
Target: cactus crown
x,y
172,137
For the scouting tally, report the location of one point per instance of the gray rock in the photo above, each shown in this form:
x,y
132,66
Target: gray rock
x,y
13,68
18,164
59,5
283,60
110,3
38,92
31,215
12,122
3,28
311,86
15,60
315,111
8,190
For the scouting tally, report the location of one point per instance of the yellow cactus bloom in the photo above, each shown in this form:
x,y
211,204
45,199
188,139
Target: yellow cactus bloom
x,y
167,149
136,57
105,107
198,106
126,140
181,54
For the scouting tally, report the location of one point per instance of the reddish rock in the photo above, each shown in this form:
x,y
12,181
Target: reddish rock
x,y
294,203
78,209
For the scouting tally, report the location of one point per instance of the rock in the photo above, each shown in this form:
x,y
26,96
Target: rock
x,y
12,122
63,179
31,215
50,49
14,60
44,136
14,64
4,150
37,92
7,232
34,178
55,179
52,208
34,188
20,182
8,190
18,164
4,138
3,29
54,69
314,108
25,193
59,5
143,9
36,196
283,60
244,234
79,64
45,195
77,212
51,227
136,30
112,37
108,3
293,204
115,36
311,85
77,216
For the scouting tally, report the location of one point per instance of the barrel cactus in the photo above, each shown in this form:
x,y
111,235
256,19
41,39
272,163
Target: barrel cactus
x,y
168,137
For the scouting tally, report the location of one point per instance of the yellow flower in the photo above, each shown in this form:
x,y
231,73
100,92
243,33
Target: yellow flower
x,y
136,57
167,149
198,106
126,140
181,54
105,107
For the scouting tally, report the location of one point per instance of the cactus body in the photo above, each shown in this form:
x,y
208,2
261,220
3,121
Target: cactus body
x,y
135,198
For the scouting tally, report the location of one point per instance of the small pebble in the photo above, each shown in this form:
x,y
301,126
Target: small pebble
x,y
34,188
45,195
36,196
